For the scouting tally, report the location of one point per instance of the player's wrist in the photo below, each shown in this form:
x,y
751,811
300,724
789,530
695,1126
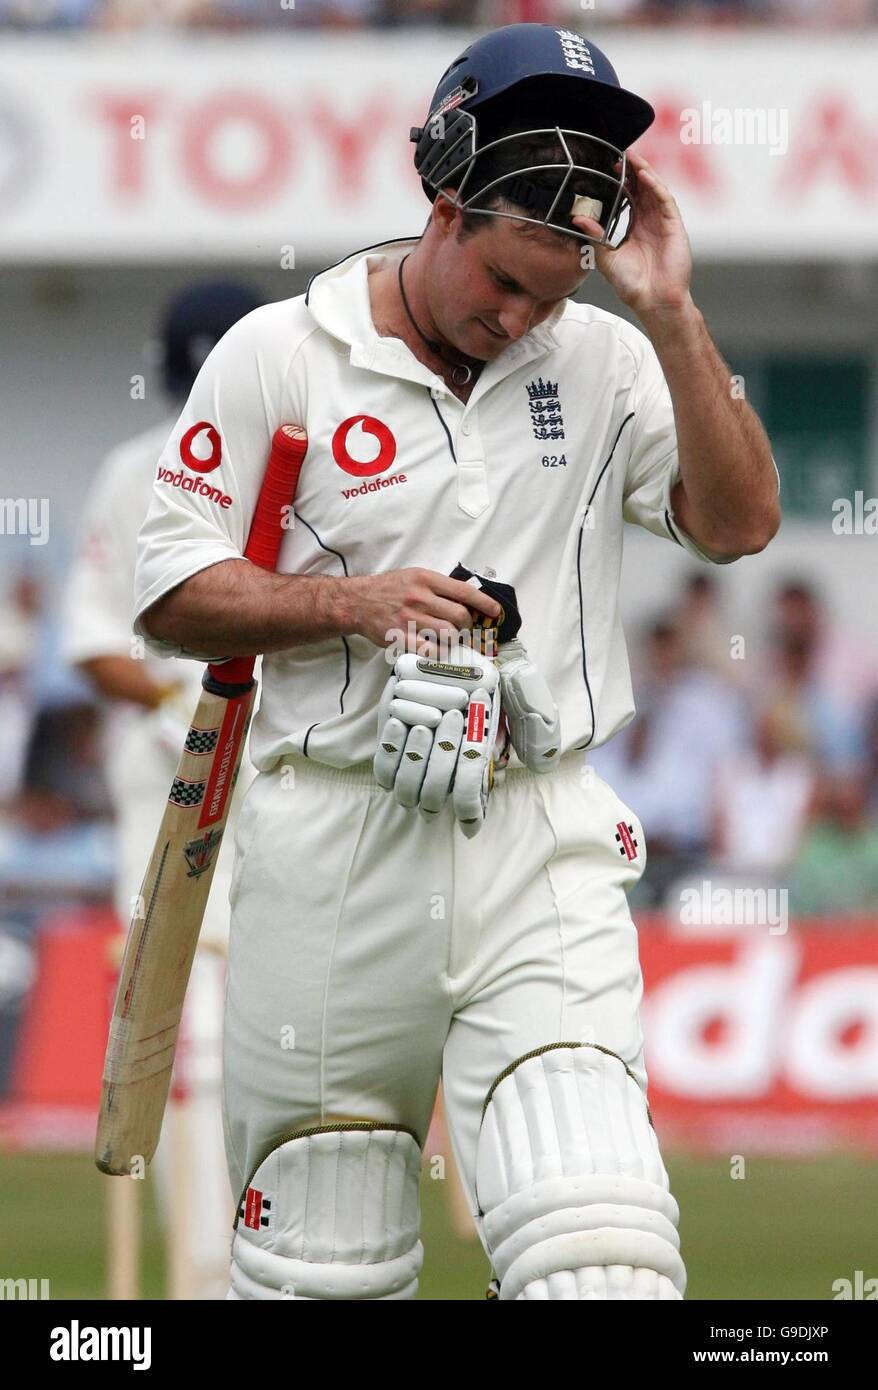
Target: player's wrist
x,y
339,600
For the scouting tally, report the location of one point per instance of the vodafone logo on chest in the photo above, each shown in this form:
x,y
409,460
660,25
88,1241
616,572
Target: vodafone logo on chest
x,y
365,447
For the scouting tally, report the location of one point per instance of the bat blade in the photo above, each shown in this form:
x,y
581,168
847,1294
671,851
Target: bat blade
x,y
163,935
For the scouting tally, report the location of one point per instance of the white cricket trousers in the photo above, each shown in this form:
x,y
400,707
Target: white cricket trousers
x,y
372,951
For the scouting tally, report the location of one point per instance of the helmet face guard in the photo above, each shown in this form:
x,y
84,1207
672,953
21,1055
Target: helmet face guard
x,y
601,189
535,80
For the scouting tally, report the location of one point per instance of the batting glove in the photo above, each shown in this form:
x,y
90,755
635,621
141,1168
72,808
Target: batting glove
x,y
437,726
531,712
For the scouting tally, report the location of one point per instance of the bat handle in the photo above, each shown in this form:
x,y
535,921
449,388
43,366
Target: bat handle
x,y
230,678
288,447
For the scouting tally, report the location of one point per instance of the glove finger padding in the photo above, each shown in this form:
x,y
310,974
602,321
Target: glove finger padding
x,y
413,766
443,760
388,755
392,734
440,697
531,712
474,775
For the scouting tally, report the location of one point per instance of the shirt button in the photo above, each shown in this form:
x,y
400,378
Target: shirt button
x,y
465,429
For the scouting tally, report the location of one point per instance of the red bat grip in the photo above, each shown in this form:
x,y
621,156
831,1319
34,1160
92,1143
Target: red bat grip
x,y
278,489
273,506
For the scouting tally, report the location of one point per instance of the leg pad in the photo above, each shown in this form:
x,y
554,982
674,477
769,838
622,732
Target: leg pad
x,y
572,1191
332,1213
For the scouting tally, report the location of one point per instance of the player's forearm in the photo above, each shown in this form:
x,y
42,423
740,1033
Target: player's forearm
x,y
236,609
731,504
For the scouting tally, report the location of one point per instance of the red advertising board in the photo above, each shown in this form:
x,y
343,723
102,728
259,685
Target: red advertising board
x,y
754,1041
761,1041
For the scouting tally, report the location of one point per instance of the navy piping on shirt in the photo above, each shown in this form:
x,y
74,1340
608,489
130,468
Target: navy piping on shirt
x,y
347,650
579,582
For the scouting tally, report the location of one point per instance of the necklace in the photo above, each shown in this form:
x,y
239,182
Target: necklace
x,y
462,373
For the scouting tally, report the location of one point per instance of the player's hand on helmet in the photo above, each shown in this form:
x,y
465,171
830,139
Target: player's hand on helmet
x,y
437,725
531,712
651,270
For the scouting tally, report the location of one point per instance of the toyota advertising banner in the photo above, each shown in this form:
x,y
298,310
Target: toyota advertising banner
x,y
153,149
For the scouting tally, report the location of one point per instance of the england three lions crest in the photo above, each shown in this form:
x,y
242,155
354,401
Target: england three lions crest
x,y
546,419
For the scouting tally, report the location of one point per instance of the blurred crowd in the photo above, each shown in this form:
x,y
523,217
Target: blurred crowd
x,y
752,764
349,14
753,767
56,836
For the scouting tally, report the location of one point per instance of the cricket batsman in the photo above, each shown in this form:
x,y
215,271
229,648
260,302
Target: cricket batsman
x,y
430,880
150,703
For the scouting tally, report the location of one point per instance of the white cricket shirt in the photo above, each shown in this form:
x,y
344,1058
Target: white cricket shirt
x,y
567,432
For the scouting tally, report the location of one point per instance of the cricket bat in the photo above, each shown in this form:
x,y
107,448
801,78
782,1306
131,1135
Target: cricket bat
x,y
167,918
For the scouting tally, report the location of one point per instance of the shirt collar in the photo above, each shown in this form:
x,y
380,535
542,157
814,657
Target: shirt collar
x,y
338,299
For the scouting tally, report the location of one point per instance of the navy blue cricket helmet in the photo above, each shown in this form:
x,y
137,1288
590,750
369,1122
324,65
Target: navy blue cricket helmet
x,y
194,322
526,80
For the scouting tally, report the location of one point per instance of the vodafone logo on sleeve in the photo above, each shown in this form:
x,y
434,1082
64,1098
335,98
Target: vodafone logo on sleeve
x,y
200,486
201,448
201,451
